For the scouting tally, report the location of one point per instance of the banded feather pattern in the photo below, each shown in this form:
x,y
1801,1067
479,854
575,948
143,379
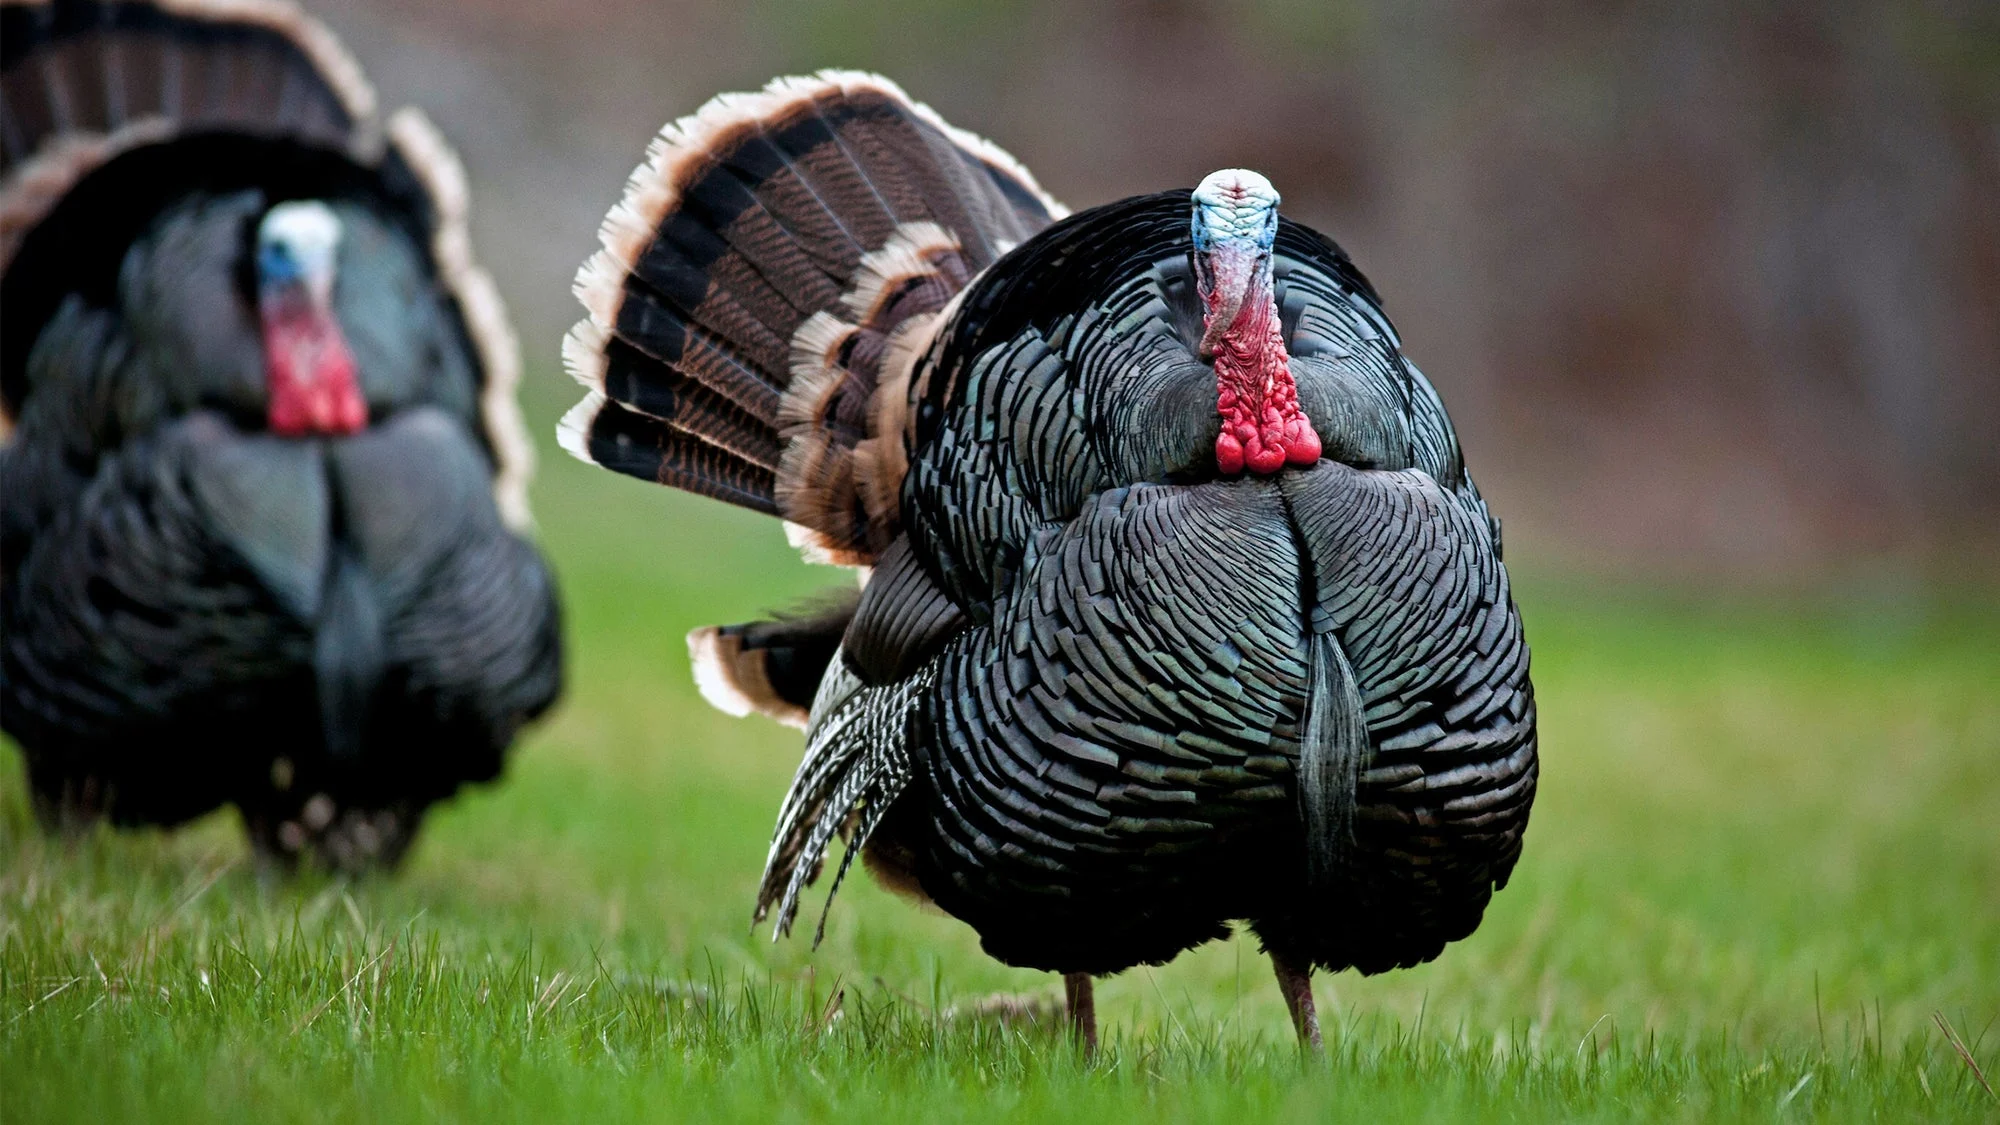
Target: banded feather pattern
x,y
856,765
764,287
771,667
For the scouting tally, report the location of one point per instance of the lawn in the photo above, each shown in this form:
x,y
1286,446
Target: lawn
x,y
1762,880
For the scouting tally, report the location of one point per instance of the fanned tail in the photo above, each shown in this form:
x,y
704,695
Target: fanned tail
x,y
764,288
856,764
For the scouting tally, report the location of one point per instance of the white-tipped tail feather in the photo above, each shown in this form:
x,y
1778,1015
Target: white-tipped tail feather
x,y
96,106
573,432
713,657
733,679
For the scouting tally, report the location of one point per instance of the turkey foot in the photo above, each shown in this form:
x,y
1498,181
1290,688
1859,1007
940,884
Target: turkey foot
x,y
338,837
66,806
1080,999
1009,1008
1295,981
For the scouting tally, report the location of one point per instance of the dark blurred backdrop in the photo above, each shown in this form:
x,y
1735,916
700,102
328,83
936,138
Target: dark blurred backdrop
x,y
1711,288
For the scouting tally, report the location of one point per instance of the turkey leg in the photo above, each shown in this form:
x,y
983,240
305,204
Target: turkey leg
x,y
1295,981
1080,997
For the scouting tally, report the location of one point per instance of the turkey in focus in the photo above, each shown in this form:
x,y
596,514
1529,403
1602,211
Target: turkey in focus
x,y
264,471
1178,607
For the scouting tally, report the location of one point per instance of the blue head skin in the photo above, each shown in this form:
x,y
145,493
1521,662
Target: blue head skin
x,y
296,242
1233,226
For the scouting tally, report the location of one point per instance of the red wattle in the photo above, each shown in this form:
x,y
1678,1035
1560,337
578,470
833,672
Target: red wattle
x,y
309,376
1263,427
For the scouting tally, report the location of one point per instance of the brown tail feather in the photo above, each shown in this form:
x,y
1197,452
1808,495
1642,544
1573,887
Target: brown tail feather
x,y
788,253
687,405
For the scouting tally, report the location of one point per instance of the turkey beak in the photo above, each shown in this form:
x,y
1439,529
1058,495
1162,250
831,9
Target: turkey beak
x,y
1226,274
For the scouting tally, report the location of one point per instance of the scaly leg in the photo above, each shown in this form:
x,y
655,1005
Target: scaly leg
x,y
1295,982
1081,998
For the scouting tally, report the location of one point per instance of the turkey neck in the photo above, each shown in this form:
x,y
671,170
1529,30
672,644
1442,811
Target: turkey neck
x,y
1263,428
309,371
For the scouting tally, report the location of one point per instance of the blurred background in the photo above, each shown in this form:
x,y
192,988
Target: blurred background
x,y
1712,289
1713,296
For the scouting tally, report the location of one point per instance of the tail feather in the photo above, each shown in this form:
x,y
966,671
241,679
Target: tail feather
x,y
919,181
654,338
605,433
102,64
771,667
416,145
690,406
790,222
789,251
794,243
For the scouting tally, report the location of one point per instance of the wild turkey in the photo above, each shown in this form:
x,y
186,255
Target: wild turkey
x,y
265,475
1178,604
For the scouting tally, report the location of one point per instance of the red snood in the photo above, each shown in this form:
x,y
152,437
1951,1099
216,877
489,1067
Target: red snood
x,y
1263,429
308,368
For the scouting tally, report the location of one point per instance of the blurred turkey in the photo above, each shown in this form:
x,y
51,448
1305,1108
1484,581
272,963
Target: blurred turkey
x,y
264,475
1178,604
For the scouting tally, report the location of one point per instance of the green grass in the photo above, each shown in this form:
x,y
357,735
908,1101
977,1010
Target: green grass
x,y
1767,851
